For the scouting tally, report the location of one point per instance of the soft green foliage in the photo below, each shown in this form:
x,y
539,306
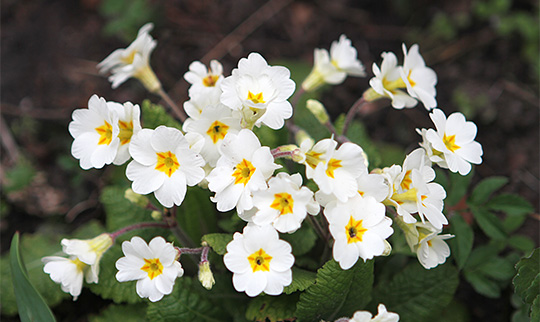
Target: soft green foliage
x,y
416,293
456,188
196,215
302,279
511,204
489,223
336,292
462,243
32,248
18,177
485,188
302,241
218,242
154,115
126,17
527,282
185,303
30,303
272,308
114,312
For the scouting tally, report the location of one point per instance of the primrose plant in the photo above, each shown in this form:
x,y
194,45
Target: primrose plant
x,y
352,209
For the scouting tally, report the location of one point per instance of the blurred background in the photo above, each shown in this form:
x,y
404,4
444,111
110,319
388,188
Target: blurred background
x,y
485,54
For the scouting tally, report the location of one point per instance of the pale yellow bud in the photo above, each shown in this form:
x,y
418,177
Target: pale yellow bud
x,y
205,275
317,108
156,215
135,198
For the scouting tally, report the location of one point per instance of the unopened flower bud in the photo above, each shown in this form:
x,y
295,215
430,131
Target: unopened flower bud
x,y
205,275
156,215
317,108
302,136
387,248
135,198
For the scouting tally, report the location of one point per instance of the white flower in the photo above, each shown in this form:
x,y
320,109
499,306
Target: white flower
x,y
69,273
153,266
202,80
284,204
420,80
387,82
359,228
382,316
215,122
133,61
196,104
259,92
337,174
333,68
163,163
259,261
103,131
88,251
312,155
244,167
453,145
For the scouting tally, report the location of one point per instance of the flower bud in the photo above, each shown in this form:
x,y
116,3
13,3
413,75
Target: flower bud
x,y
205,275
317,108
135,198
156,215
387,248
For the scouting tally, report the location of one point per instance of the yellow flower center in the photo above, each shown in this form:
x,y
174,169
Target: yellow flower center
x,y
283,202
80,265
256,98
313,158
354,231
407,181
167,163
129,59
105,133
217,131
153,267
450,142
243,172
126,131
210,80
409,195
260,261
333,164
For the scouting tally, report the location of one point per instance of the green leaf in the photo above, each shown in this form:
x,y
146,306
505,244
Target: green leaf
x,y
18,177
497,268
535,310
197,215
31,304
457,188
485,188
522,243
120,211
302,240
463,241
527,280
120,313
185,304
302,279
416,293
512,223
108,286
272,308
511,204
154,115
483,284
336,292
490,224
218,242
32,249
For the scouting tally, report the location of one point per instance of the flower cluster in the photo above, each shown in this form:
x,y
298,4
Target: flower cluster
x,y
217,149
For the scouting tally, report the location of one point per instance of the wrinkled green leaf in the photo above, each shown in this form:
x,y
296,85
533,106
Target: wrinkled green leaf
x,y
527,280
511,204
485,188
490,224
30,303
416,293
302,279
218,242
120,211
272,308
115,312
185,304
302,240
154,115
462,242
336,292
458,186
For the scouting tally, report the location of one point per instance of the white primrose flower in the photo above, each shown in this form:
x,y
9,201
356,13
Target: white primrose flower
x,y
214,123
133,61
452,145
311,155
69,273
88,251
259,92
197,103
244,167
359,227
284,204
333,68
420,80
382,316
153,266
387,82
163,163
204,81
102,132
339,170
259,260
